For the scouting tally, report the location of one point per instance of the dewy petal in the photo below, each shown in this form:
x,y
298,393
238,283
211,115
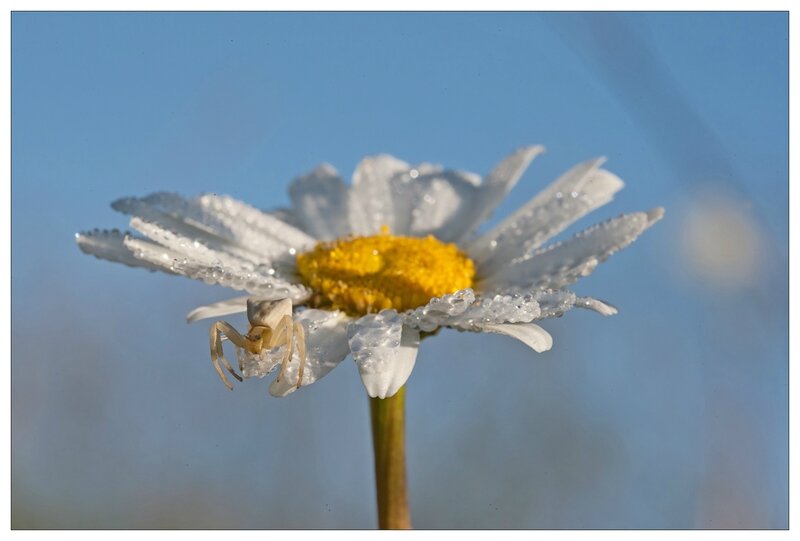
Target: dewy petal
x,y
563,263
463,310
439,310
197,252
577,192
255,281
497,185
496,309
384,350
138,252
218,309
320,200
371,205
326,347
234,212
110,245
554,302
530,334
171,211
198,219
188,247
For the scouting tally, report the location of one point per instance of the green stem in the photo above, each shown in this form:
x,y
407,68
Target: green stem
x,y
388,438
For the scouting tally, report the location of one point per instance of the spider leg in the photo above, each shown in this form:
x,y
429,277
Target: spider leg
x,y
218,331
301,350
284,336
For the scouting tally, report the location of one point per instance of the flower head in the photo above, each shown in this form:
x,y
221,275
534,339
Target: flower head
x,y
369,267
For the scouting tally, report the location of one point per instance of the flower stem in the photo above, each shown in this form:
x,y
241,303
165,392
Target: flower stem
x,y
388,439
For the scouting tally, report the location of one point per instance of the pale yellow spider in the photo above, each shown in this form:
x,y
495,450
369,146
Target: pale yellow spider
x,y
271,325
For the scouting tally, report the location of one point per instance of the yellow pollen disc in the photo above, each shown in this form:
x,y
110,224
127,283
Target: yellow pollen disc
x,y
360,275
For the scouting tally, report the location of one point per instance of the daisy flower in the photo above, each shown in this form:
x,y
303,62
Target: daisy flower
x,y
368,269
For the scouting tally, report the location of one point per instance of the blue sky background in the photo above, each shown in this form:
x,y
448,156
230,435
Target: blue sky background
x,y
672,414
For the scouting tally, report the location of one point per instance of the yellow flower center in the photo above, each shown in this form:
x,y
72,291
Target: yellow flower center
x,y
360,275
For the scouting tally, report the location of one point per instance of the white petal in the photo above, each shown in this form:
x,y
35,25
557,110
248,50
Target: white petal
x,y
196,252
255,281
218,309
596,305
497,185
326,347
530,334
577,192
191,219
384,350
320,199
110,245
371,197
188,247
563,263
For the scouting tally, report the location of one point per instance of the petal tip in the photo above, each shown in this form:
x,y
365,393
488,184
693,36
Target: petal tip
x,y
122,204
280,391
533,149
601,307
384,393
545,344
654,215
375,387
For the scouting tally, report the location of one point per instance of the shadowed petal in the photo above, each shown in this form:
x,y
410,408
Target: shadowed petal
x,y
371,204
435,202
320,200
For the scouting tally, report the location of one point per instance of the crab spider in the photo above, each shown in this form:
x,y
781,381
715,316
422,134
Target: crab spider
x,y
271,325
